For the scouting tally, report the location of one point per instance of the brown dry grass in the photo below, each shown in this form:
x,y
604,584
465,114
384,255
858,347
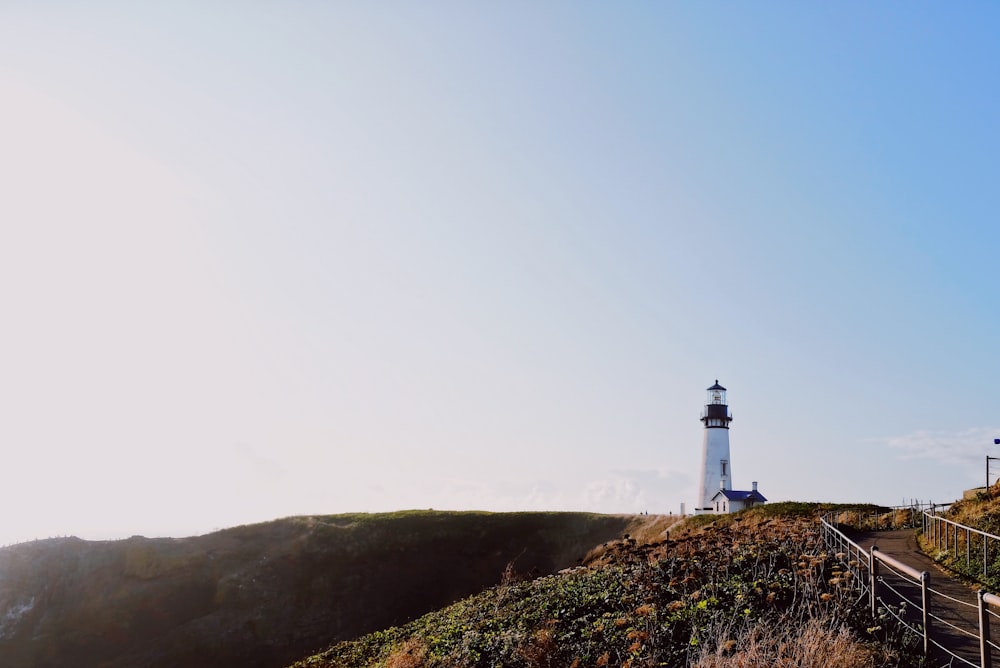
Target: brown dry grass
x,y
813,644
540,652
643,529
980,511
411,654
651,528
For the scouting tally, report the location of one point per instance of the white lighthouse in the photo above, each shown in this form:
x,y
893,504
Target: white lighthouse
x,y
716,467
716,493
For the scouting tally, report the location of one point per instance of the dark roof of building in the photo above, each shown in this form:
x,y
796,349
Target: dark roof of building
x,y
737,495
717,386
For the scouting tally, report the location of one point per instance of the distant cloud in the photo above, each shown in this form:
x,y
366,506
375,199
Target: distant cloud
x,y
969,445
639,490
619,491
613,492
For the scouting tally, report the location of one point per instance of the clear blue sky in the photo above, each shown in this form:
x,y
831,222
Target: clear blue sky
x,y
299,257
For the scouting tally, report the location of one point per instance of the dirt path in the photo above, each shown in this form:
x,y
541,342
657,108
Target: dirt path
x,y
902,545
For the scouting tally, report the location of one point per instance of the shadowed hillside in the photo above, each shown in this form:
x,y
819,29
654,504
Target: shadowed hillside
x,y
265,594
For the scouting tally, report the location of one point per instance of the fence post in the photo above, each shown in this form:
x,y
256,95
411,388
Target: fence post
x,y
873,576
985,660
925,603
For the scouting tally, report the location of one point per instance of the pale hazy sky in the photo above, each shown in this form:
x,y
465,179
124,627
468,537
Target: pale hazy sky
x,y
270,258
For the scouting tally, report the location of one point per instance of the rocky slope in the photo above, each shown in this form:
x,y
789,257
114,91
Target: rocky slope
x,y
263,595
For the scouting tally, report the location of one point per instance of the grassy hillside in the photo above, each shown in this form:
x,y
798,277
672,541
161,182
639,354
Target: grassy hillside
x,y
750,589
263,595
982,512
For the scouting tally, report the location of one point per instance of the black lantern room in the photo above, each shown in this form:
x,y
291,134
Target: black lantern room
x,y
716,413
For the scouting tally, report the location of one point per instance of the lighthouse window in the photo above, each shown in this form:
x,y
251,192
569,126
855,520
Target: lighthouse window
x,y
724,466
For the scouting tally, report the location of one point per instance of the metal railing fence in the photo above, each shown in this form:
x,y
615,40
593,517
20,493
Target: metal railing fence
x,y
978,551
897,517
898,589
852,555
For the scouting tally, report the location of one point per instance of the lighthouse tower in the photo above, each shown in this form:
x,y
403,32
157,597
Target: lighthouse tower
x,y
716,467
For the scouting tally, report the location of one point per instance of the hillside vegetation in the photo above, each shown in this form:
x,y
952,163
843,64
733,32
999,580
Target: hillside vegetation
x,y
980,511
751,589
263,595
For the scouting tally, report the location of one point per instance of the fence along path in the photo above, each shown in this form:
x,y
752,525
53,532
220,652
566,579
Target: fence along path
x,y
886,565
953,606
